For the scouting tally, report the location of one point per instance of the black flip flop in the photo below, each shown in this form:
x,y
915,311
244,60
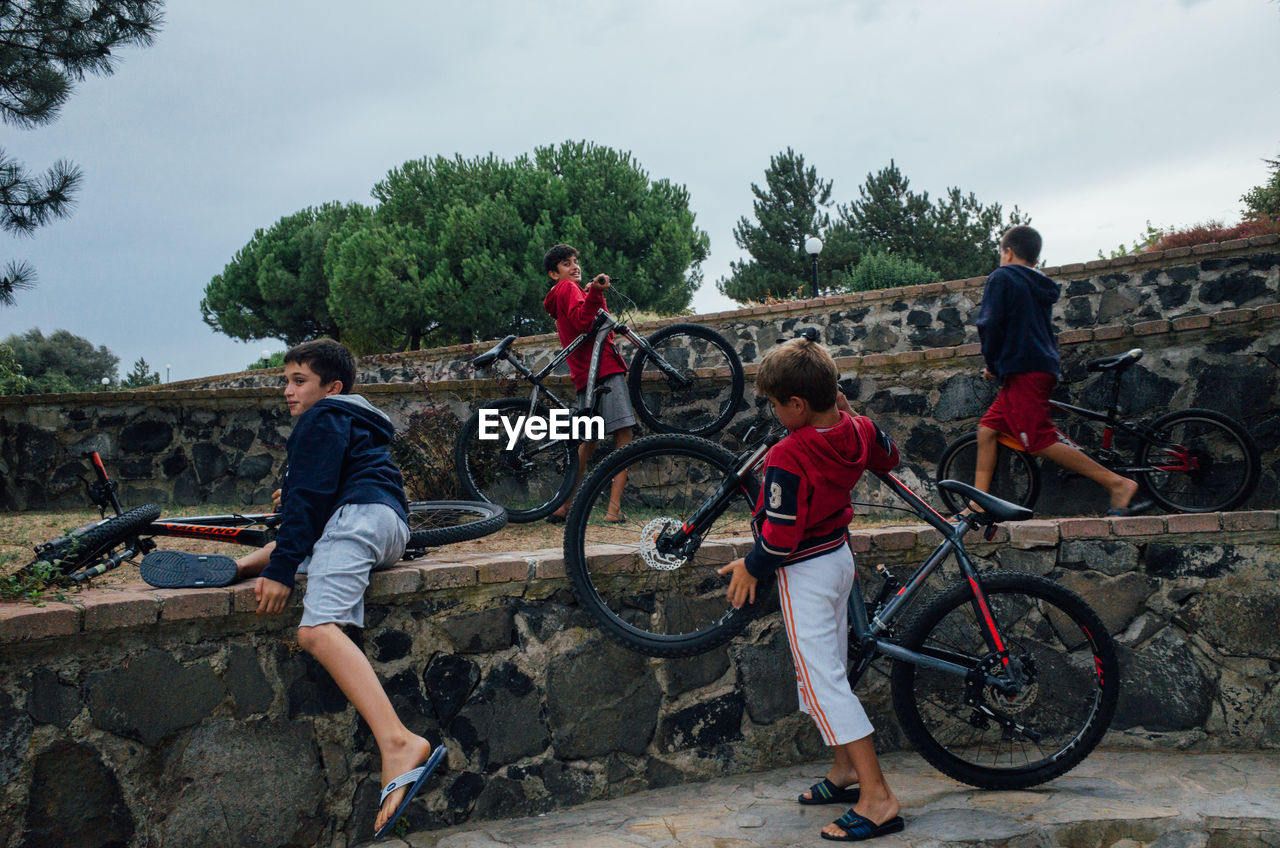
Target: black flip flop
x,y
826,792
182,570
857,828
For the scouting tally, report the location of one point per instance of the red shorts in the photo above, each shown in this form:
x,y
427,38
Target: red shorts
x,y
1021,410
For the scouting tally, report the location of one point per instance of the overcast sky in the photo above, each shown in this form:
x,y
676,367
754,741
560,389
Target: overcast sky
x,y
1093,117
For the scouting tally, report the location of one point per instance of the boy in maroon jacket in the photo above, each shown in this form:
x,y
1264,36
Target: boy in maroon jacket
x,y
575,310
802,520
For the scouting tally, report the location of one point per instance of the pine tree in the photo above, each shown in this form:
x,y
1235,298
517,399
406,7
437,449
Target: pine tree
x,y
46,46
1264,201
141,375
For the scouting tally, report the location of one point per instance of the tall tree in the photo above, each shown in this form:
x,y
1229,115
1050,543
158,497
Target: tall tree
x,y
788,209
275,286
141,375
1263,201
62,361
46,46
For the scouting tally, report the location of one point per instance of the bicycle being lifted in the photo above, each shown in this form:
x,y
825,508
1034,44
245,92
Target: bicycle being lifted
x,y
685,378
1189,460
1001,679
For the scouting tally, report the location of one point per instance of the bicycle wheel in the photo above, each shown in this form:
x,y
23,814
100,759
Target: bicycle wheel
x,y
714,373
82,547
436,523
1016,479
1209,462
660,603
529,479
1072,681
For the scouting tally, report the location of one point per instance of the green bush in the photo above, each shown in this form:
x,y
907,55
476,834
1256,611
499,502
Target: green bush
x,y
887,271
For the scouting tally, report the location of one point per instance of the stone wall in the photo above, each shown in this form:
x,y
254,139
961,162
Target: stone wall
x,y
177,717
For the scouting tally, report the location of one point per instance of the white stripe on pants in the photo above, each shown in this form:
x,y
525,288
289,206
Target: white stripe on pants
x,y
814,596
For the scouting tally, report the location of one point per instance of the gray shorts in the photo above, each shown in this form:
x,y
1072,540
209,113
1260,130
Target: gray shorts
x,y
614,406
358,539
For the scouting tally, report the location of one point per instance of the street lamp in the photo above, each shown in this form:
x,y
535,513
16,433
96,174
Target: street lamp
x,y
166,372
813,246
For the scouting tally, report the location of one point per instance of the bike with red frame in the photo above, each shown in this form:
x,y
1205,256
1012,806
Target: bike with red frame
x,y
1189,460
97,548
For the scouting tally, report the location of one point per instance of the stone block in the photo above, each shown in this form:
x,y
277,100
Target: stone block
x,y
1262,519
446,576
1106,333
704,724
505,570
1033,534
1234,316
22,622
398,581
974,349
481,632
502,721
859,541
108,609
928,537
186,604
1116,599
1074,336
1237,623
125,700
601,698
1164,689
1137,525
1190,322
1108,556
1150,328
891,539
87,810
1084,528
1271,310
1194,522
242,598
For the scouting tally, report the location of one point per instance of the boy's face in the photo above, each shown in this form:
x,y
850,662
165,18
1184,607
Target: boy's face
x,y
303,387
567,269
792,413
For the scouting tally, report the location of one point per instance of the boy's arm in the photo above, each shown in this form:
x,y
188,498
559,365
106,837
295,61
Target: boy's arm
x,y
883,453
577,309
786,494
315,476
991,319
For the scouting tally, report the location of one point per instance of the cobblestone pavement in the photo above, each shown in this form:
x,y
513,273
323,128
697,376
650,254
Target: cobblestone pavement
x,y
1112,800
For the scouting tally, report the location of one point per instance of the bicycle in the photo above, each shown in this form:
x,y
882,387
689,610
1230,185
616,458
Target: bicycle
x,y
531,478
97,548
1000,680
1189,460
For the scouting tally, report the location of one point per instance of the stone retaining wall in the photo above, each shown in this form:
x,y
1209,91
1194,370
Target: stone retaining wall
x,y
134,716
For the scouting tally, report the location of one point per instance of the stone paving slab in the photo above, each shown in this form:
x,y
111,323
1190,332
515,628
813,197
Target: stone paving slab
x,y
1112,800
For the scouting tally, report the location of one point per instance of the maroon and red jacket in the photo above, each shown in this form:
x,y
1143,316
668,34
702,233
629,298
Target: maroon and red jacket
x,y
575,310
804,510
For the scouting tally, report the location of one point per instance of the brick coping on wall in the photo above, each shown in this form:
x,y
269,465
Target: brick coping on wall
x,y
1187,323
124,607
1068,271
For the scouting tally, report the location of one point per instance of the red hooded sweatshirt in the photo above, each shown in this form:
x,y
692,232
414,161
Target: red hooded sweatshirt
x,y
574,311
804,510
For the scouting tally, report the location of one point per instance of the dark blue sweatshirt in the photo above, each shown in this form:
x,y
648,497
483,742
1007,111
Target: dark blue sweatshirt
x,y
337,454
1015,322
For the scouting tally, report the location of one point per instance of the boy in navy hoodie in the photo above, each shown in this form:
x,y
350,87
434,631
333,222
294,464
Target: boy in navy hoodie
x,y
802,520
345,515
1020,347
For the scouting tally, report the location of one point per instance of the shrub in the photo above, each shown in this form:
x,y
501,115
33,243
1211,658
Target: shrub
x,y
887,271
1213,231
424,452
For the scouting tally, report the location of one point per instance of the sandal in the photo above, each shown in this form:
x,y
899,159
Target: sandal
x,y
857,828
826,792
414,779
182,570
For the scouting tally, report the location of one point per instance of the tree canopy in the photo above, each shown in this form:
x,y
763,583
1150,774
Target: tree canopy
x,y
453,251
46,46
141,375
1263,201
61,361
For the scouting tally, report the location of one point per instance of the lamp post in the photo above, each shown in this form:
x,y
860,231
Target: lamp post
x,y
166,372
813,246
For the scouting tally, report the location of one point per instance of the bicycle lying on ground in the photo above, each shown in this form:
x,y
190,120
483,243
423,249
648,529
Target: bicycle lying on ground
x,y
97,548
1191,460
685,378
1000,680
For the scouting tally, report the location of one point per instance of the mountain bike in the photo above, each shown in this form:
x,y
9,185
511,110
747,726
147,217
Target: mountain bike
x,y
99,547
1190,460
685,378
1001,679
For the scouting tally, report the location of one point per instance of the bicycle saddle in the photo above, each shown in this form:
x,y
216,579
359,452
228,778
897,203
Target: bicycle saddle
x,y
994,509
487,358
1120,361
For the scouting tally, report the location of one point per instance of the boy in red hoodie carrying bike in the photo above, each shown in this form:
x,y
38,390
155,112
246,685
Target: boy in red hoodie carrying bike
x,y
802,520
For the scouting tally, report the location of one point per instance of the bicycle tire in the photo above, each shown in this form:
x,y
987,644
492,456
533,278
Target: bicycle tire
x,y
1228,456
1016,479
528,481
704,407
679,607
436,523
1070,698
82,547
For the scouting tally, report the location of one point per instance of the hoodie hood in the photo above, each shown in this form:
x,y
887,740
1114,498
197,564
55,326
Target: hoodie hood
x,y
835,456
377,421
1042,289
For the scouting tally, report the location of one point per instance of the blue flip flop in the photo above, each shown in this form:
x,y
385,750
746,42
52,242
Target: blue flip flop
x,y
414,780
182,570
857,828
826,792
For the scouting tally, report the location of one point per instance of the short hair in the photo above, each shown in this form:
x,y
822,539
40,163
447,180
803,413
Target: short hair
x,y
1024,241
799,368
329,359
556,255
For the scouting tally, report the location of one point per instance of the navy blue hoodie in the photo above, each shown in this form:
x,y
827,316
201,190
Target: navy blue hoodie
x,y
337,454
1015,322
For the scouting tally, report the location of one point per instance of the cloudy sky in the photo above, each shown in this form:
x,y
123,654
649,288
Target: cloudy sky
x,y
1093,117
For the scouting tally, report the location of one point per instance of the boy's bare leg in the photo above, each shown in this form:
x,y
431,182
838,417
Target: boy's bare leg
x,y
251,564
614,513
984,466
585,450
877,802
400,749
1121,489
